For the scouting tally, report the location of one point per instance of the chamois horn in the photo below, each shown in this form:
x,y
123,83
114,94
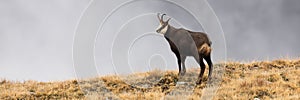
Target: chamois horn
x,y
158,16
162,17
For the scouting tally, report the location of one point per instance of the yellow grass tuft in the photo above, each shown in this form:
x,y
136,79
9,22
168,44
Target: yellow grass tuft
x,y
278,79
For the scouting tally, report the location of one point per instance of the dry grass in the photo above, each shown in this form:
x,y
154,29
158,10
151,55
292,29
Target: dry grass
x,y
39,90
279,79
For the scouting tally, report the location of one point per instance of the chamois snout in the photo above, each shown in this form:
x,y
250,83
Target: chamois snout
x,y
157,31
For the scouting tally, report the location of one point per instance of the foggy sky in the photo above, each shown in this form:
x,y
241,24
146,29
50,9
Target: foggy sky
x,y
36,36
260,29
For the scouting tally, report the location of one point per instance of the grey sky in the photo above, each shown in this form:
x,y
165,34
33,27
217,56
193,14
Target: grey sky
x,y
36,36
260,29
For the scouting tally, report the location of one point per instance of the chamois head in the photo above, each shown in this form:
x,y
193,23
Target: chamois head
x,y
163,25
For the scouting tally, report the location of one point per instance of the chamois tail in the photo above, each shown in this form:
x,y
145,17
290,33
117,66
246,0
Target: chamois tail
x,y
205,49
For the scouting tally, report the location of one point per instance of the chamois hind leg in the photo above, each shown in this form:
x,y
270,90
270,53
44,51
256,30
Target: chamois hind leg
x,y
183,65
202,66
210,64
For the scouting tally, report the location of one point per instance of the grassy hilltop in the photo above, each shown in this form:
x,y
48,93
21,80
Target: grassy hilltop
x,y
279,79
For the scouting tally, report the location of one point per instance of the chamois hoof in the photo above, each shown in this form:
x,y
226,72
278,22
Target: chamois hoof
x,y
181,73
198,82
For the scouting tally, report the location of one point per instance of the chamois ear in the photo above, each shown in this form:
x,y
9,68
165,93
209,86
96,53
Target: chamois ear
x,y
168,20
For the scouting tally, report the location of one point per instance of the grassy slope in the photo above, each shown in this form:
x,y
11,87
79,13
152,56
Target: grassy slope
x,y
279,79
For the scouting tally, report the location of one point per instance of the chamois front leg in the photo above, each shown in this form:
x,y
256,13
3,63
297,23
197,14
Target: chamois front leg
x,y
183,65
178,62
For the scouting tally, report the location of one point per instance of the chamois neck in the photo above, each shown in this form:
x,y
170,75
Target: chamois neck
x,y
169,30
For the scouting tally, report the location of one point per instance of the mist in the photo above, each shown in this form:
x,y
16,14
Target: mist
x,y
260,29
36,36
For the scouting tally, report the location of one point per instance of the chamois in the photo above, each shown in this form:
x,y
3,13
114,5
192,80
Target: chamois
x,y
187,43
